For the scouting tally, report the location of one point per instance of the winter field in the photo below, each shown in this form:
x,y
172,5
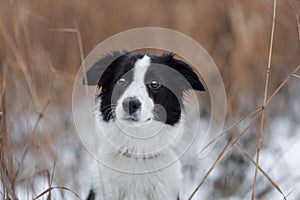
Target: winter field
x,y
255,44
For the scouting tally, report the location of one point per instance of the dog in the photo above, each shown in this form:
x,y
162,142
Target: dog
x,y
140,116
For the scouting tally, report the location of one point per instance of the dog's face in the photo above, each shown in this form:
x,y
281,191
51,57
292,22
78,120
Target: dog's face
x,y
141,88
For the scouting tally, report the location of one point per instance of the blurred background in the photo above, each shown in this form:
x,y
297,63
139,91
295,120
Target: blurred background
x,y
42,45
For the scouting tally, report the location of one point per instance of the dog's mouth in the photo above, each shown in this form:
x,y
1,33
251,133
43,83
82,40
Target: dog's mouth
x,y
133,118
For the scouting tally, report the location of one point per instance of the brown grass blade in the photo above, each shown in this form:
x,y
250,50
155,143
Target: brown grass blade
x,y
265,98
260,108
7,170
296,75
297,18
219,158
224,152
70,30
261,170
245,130
12,44
52,188
281,85
232,127
80,46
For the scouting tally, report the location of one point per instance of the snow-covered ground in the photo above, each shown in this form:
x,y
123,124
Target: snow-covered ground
x,y
280,158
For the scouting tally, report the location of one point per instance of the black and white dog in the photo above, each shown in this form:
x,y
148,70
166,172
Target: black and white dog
x,y
140,116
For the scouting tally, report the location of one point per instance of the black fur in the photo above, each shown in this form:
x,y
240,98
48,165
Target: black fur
x,y
94,74
92,195
175,76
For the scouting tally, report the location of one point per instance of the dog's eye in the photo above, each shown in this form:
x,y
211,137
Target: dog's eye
x,y
154,85
122,82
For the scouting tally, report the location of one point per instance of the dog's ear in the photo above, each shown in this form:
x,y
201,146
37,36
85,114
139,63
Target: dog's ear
x,y
185,70
191,77
96,74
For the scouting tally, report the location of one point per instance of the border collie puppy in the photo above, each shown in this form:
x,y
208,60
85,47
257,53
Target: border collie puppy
x,y
139,119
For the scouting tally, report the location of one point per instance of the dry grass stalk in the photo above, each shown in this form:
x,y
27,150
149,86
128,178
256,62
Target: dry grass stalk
x,y
224,152
281,85
235,141
265,99
297,18
296,75
6,150
219,158
52,188
80,46
261,170
234,125
12,44
246,129
3,171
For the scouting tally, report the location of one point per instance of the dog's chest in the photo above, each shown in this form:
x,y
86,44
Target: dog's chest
x,y
161,184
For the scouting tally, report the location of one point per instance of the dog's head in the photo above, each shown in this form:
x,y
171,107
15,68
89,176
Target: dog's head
x,y
140,88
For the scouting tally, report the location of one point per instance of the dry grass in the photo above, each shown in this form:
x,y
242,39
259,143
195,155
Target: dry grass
x,y
42,44
265,98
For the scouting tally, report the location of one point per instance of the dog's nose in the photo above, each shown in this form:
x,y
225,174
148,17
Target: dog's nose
x,y
131,105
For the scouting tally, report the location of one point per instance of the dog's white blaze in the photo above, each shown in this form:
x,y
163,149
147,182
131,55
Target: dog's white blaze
x,y
140,68
138,89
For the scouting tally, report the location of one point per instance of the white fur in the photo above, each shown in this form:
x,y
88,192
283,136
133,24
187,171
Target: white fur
x,y
138,89
137,161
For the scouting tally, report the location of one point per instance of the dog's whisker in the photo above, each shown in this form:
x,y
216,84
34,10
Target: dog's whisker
x,y
108,109
108,106
111,114
159,116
